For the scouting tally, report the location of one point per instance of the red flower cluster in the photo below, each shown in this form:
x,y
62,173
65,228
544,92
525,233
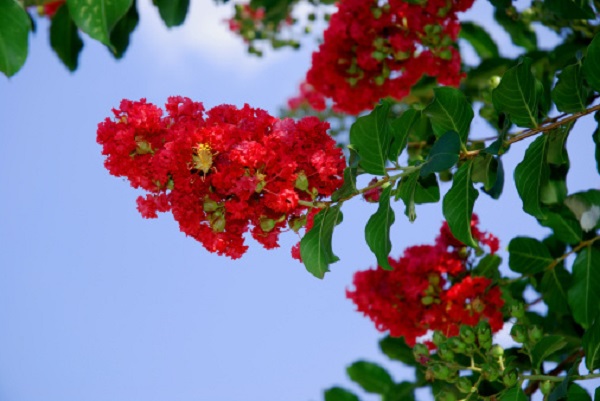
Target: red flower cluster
x,y
308,96
222,172
429,288
372,52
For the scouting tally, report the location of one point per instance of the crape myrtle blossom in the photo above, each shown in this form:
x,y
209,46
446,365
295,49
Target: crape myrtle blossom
x,y
222,172
373,50
429,288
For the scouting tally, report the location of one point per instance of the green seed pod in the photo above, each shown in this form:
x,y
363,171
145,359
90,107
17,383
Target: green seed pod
x,y
518,333
420,352
496,351
301,181
441,372
464,385
457,345
210,205
535,334
546,387
490,372
438,338
467,334
510,377
517,310
445,353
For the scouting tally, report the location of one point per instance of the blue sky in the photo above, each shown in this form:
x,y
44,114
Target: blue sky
x,y
97,303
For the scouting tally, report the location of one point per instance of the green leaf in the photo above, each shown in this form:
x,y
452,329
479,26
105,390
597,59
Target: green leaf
x,y
521,33
591,63
400,392
570,9
443,154
377,230
348,188
315,246
370,137
531,174
340,394
482,42
485,169
569,94
458,205
97,18
557,139
119,37
564,224
65,39
586,208
528,255
450,111
578,393
514,394
400,129
414,190
488,267
546,347
14,36
172,12
554,286
561,391
596,138
584,296
370,376
396,349
496,169
516,95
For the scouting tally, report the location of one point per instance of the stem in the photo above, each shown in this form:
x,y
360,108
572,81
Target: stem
x,y
560,378
576,249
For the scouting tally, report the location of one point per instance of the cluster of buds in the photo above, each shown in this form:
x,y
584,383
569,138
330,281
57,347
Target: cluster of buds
x,y
223,172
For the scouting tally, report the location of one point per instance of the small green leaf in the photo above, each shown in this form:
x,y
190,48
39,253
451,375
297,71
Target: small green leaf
x,y
340,394
370,376
172,12
400,128
348,188
584,297
14,36
315,246
554,286
443,154
414,190
514,394
97,18
546,347
591,63
591,346
564,224
396,349
488,267
570,9
482,42
377,230
569,94
119,36
458,205
516,95
65,39
370,138
450,111
531,174
528,255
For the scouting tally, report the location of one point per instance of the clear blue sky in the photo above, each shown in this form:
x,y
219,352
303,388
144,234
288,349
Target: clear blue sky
x,y
97,303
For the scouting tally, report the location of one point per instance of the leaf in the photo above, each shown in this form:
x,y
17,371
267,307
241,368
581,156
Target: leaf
x,y
340,394
172,12
564,224
569,94
498,169
377,230
65,39
97,18
443,154
586,208
561,391
596,138
458,205
546,347
584,297
400,392
482,42
414,190
531,174
400,130
370,138
488,267
578,393
521,33
315,246
348,188
597,394
516,95
514,394
570,9
485,168
528,255
450,111
591,63
554,286
370,376
396,349
119,37
14,35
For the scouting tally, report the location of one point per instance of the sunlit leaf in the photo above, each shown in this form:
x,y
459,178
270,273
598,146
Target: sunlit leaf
x,y
14,35
528,255
377,230
450,111
315,247
591,63
458,205
584,297
97,18
370,376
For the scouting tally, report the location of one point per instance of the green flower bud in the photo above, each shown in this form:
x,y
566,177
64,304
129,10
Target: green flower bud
x,y
421,353
517,310
484,334
464,385
518,333
301,181
441,372
445,353
210,205
510,377
535,334
467,334
496,351
218,224
445,396
267,224
427,300
546,387
438,338
490,372
457,345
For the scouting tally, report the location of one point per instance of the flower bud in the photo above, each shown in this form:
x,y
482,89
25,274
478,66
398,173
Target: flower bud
x,y
457,345
301,181
438,338
484,334
546,387
490,372
510,377
210,205
518,333
464,385
267,224
496,351
441,372
467,334
421,353
445,353
535,334
445,396
517,310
